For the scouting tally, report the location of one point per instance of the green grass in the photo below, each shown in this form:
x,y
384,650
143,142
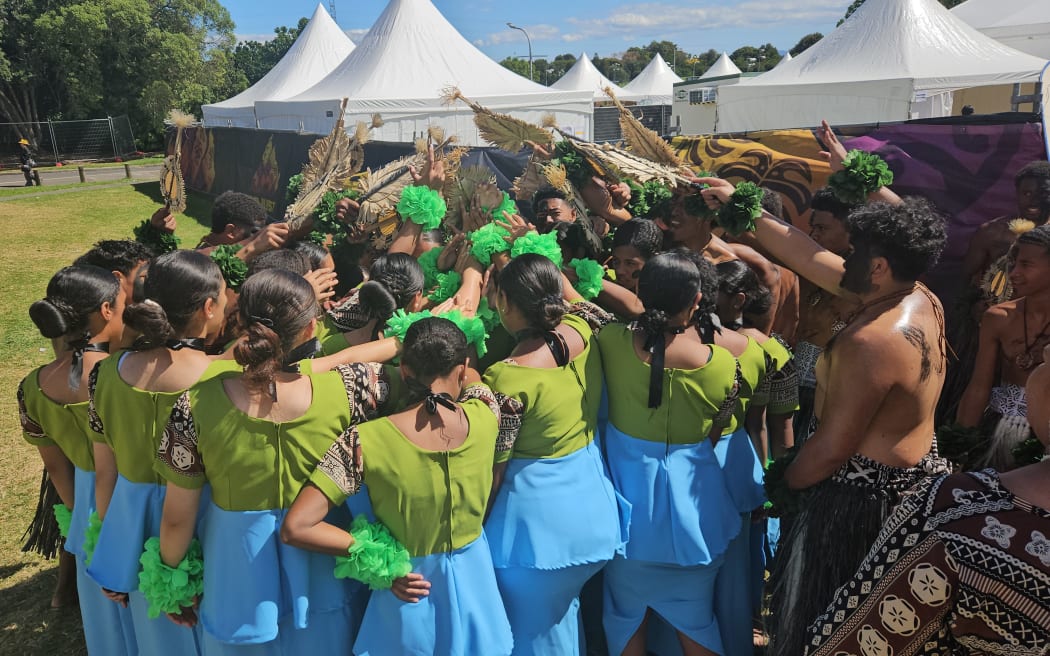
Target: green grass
x,y
7,192
42,235
151,159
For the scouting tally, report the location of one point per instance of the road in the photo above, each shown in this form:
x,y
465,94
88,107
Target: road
x,y
69,175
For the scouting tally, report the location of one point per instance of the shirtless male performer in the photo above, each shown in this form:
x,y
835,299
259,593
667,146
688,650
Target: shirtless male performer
x,y
878,382
1010,346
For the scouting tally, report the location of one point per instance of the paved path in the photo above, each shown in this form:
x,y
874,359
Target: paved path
x,y
68,175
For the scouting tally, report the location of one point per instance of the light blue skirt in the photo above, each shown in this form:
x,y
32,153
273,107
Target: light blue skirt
x,y
681,509
557,512
743,470
83,506
256,587
133,517
108,628
681,596
462,616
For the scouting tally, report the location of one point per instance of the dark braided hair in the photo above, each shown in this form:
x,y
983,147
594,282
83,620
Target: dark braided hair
x,y
667,285
177,284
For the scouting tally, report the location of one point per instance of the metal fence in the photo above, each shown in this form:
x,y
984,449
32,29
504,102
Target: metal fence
x,y
607,120
68,141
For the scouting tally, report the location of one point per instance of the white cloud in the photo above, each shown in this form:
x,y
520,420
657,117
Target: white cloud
x,y
540,32
262,38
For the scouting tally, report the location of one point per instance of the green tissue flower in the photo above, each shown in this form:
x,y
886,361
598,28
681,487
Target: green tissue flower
x,y
744,206
375,558
94,527
863,174
473,328
533,242
489,317
506,205
590,275
170,589
63,515
422,205
399,323
487,241
428,262
234,269
447,286
158,241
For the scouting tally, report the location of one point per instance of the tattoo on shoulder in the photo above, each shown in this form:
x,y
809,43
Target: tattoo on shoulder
x,y
917,338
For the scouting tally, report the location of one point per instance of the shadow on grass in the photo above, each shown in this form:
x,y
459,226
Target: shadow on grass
x,y
198,205
28,624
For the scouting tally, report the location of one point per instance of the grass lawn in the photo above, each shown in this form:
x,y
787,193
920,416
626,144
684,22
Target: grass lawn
x,y
42,235
7,192
150,159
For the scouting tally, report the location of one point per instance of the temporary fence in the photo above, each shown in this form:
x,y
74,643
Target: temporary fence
x,y
68,141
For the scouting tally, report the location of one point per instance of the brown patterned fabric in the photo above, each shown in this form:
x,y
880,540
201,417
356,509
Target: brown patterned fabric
x,y
367,389
349,314
94,421
595,316
508,413
342,464
961,567
29,425
178,445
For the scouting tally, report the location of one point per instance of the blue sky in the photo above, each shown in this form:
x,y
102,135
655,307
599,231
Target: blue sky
x,y
559,26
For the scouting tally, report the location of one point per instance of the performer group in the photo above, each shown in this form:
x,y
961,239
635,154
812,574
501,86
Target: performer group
x,y
624,409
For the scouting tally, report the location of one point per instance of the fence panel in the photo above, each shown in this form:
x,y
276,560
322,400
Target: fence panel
x,y
68,141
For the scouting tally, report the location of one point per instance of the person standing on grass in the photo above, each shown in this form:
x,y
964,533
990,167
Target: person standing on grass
x,y
26,161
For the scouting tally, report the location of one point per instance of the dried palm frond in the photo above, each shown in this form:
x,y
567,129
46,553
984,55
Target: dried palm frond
x,y
530,181
436,133
172,186
1021,226
641,139
500,130
421,144
333,161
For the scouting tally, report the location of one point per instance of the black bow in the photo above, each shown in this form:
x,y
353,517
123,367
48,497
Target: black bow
x,y
434,399
76,366
194,343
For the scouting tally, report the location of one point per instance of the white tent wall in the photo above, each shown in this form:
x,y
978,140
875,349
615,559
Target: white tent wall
x,y
318,50
1020,24
875,67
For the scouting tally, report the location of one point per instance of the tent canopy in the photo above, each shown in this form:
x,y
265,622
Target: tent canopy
x,y
400,68
723,67
584,76
783,60
1020,24
888,59
655,84
316,52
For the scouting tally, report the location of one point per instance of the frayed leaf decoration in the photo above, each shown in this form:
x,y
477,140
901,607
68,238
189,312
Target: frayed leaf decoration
x,y
234,269
650,200
158,241
1021,226
501,130
744,207
641,140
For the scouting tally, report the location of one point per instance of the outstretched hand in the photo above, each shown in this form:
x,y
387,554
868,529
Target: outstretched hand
x,y
323,282
515,225
433,173
187,617
163,220
835,152
346,209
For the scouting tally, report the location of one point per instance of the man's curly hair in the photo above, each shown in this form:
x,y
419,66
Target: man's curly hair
x,y
825,200
121,255
1038,170
910,236
238,209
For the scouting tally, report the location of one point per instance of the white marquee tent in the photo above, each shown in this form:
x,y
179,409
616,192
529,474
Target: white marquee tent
x,y
655,84
316,52
892,60
585,76
783,60
399,69
723,67
1021,24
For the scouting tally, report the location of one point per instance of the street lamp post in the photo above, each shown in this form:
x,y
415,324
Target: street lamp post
x,y
522,29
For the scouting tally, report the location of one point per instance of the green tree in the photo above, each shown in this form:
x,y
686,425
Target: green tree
x,y
256,58
91,58
805,42
754,60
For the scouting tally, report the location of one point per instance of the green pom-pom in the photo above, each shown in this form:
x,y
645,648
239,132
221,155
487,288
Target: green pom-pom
x,y
863,174
590,275
784,501
422,205
488,316
399,323
295,183
428,262
486,241
448,285
63,515
94,527
473,328
234,269
158,241
375,558
170,589
533,242
650,200
744,206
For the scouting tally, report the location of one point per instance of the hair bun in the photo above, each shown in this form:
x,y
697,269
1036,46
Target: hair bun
x,y
377,299
51,317
653,321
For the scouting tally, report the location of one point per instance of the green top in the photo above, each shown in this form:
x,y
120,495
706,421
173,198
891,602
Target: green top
x,y
257,464
691,397
753,368
560,404
432,501
48,423
131,420
331,338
